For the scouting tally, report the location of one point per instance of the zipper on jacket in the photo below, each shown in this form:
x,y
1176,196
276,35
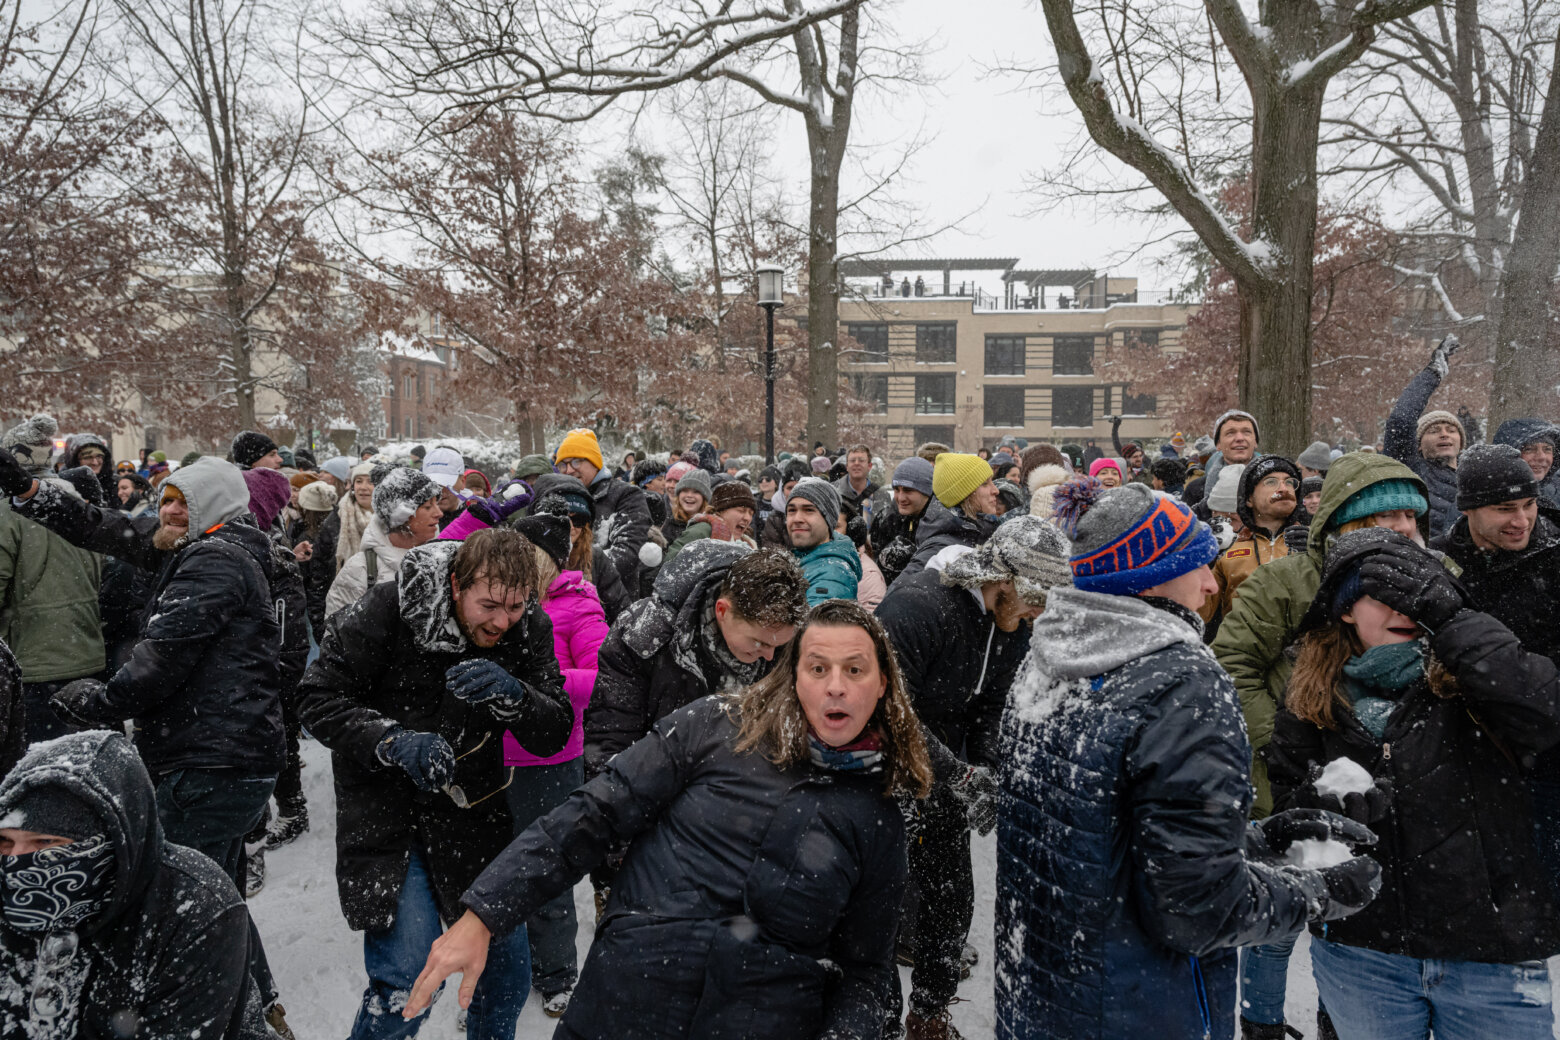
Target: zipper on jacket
x,y
1202,999
1386,751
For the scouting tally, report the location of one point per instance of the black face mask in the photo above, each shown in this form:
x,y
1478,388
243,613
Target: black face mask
x,y
56,889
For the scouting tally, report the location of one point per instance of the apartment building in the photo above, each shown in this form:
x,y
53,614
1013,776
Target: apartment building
x,y
942,358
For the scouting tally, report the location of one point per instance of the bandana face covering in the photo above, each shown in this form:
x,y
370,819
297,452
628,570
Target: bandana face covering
x,y
56,889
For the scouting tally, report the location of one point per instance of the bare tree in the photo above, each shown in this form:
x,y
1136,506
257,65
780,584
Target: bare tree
x,y
571,63
1287,60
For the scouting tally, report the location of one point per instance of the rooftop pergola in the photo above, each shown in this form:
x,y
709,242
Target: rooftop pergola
x,y
1033,279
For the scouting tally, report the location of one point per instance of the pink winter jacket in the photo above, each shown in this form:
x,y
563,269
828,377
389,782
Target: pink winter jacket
x,y
579,628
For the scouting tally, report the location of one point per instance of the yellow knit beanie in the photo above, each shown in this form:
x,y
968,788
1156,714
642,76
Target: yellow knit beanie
x,y
580,444
955,475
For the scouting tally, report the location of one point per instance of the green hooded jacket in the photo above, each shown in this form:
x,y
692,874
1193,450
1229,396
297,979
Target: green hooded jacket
x,y
48,601
1254,641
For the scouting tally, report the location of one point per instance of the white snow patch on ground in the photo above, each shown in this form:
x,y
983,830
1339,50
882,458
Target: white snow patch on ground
x,y
319,963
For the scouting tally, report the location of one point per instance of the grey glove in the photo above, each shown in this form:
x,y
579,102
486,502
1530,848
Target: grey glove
x,y
1441,356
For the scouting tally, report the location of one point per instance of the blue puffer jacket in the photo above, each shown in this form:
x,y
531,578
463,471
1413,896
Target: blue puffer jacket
x,y
1122,884
832,569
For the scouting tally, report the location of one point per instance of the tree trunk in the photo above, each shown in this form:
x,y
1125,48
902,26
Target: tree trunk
x,y
823,300
1527,361
238,353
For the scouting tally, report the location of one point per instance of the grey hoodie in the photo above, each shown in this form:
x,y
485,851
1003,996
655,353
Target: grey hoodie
x,y
214,490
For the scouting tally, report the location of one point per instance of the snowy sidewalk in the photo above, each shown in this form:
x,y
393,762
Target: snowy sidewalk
x,y
319,963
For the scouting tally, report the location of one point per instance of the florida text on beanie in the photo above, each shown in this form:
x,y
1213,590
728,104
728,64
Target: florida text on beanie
x,y
1126,540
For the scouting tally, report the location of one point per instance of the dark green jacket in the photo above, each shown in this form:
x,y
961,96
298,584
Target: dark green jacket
x,y
48,601
1253,643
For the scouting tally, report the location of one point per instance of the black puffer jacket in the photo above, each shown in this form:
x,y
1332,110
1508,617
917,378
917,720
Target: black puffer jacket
x,y
622,525
123,597
203,682
754,901
1512,587
957,665
382,664
893,539
941,527
654,661
1460,876
170,951
1401,442
13,722
319,570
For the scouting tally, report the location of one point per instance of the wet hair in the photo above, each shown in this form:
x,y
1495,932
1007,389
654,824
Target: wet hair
x,y
773,723
766,588
499,555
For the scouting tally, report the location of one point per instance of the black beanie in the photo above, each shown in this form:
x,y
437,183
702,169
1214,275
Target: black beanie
x,y
52,809
250,447
1491,473
549,532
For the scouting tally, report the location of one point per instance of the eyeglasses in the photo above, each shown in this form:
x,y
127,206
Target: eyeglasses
x,y
1279,480
458,795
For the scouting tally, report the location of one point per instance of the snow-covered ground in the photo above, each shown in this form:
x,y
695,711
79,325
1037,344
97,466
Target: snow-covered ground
x,y
319,963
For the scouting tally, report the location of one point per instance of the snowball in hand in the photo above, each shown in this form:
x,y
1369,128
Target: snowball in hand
x,y
1344,776
1317,853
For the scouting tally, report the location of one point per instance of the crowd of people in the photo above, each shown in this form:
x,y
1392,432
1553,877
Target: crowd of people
x,y
1207,696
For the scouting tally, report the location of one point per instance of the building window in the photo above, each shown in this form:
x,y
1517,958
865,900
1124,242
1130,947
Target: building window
x,y
930,434
1072,406
1142,338
407,426
1073,356
1004,355
1004,406
873,337
936,343
873,390
934,395
1138,404
409,386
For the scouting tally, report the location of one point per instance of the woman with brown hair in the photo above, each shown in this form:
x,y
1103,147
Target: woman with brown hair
x,y
760,895
1414,714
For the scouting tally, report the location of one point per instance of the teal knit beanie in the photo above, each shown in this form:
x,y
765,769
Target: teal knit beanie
x,y
1379,498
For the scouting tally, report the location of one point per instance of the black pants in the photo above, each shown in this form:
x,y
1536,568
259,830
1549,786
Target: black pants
x,y
289,782
944,881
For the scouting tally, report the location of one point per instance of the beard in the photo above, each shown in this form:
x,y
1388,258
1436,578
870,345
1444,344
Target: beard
x,y
167,537
1008,610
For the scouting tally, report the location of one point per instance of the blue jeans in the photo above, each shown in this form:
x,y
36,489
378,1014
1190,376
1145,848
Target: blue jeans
x,y
395,957
1385,996
554,959
1263,972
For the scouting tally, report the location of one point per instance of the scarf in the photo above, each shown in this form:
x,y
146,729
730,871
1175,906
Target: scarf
x,y
56,889
863,755
1375,679
354,522
732,674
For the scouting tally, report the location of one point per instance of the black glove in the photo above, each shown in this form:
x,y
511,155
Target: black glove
x,y
896,555
1441,356
1413,583
1368,807
14,480
1276,833
486,683
976,791
1340,890
425,757
1298,538
70,702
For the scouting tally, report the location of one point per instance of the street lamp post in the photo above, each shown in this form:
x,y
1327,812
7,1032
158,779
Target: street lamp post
x,y
771,294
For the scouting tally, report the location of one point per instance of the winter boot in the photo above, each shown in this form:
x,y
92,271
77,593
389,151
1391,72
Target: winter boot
x,y
937,1026
968,958
1250,1030
1324,1026
276,1022
254,871
292,820
555,1004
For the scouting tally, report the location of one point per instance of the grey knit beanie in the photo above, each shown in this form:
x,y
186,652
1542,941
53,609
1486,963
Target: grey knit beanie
x,y
696,480
32,442
1027,550
822,494
1225,496
914,473
1318,456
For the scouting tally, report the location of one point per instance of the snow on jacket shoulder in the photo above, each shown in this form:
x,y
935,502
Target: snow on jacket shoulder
x,y
941,527
171,950
1120,859
754,901
352,581
832,569
579,628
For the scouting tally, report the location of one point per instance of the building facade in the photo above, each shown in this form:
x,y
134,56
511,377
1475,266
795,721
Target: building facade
x,y
950,362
